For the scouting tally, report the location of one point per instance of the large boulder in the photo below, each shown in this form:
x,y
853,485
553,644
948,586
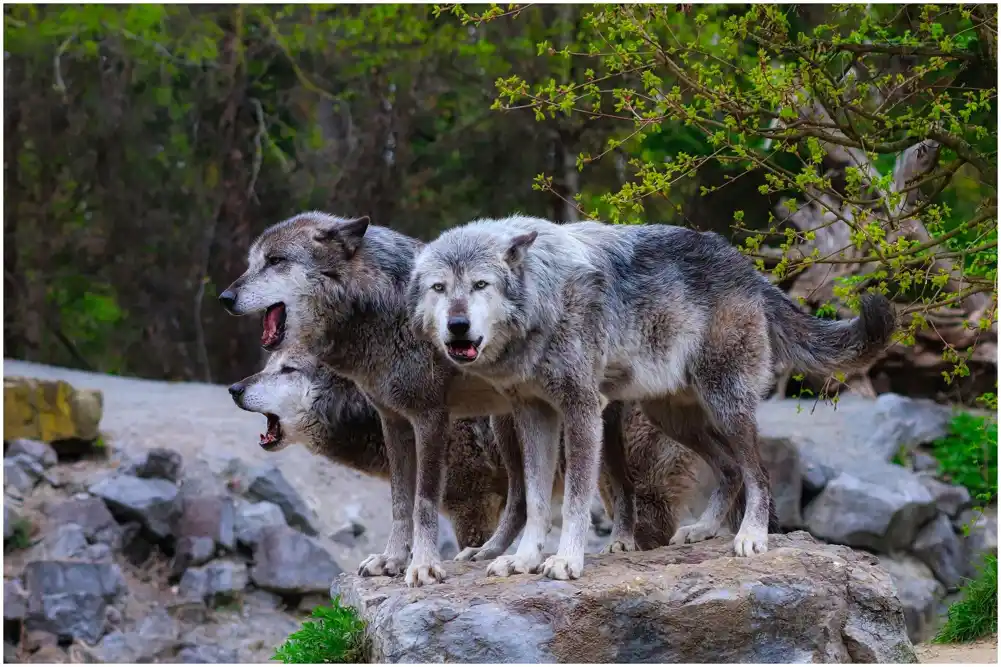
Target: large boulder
x,y
270,484
70,599
49,410
152,502
802,601
883,516
919,593
288,562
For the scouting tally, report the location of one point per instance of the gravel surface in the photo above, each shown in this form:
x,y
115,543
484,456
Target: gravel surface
x,y
201,422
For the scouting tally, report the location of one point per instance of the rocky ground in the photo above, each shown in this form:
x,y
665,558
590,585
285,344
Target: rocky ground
x,y
187,542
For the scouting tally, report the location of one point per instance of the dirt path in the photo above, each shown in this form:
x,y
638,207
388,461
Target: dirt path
x,y
983,652
201,422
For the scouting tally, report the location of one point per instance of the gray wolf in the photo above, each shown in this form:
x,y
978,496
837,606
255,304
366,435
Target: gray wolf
x,y
306,403
337,286
561,318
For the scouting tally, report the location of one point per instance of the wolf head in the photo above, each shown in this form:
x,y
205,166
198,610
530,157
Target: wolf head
x,y
284,392
287,266
467,291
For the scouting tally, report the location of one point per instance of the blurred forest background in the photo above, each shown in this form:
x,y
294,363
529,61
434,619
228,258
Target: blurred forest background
x,y
146,146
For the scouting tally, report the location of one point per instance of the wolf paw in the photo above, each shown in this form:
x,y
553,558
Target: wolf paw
x,y
696,532
562,568
424,574
750,541
478,554
505,566
378,565
619,545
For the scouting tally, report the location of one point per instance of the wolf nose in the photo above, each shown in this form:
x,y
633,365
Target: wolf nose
x,y
228,299
458,326
236,390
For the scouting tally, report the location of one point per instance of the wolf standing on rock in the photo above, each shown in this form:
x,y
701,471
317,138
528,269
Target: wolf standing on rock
x,y
561,318
337,287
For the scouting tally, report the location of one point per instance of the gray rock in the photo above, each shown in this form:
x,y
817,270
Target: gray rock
x,y
938,547
800,602
781,459
251,517
66,542
69,599
155,637
269,484
191,551
815,476
157,463
979,531
98,553
15,600
40,451
152,502
286,561
348,534
310,602
10,521
880,517
448,543
93,517
21,473
919,593
217,583
265,600
922,462
9,653
208,516
950,498
207,655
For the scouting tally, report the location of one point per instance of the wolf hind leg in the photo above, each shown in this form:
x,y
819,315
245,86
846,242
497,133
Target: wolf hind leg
x,y
687,423
513,517
622,488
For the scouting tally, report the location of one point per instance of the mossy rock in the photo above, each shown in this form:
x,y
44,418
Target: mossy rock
x,y
50,411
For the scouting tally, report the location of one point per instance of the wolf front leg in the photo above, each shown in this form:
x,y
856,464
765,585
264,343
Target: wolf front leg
x,y
512,519
399,438
582,449
538,428
430,431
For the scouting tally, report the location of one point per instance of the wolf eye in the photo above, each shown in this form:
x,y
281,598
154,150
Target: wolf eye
x,y
480,284
274,260
438,287
287,369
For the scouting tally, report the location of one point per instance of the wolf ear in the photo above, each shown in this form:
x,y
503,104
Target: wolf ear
x,y
519,245
349,232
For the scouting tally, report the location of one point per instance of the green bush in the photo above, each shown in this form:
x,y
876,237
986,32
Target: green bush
x,y
336,635
21,536
969,455
976,615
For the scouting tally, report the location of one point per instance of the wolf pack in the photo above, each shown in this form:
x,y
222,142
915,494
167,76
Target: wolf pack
x,y
513,360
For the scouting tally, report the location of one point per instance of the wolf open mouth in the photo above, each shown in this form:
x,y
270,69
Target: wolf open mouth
x,y
273,325
464,351
273,437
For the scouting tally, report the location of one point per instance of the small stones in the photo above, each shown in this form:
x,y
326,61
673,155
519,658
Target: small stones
x,y
252,517
35,449
152,502
157,463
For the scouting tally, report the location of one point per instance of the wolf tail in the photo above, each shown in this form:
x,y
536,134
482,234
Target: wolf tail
x,y
822,346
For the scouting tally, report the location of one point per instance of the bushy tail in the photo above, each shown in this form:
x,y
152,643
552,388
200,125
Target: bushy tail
x,y
809,343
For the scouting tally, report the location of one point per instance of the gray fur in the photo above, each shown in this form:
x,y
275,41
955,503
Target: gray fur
x,y
563,316
332,418
343,286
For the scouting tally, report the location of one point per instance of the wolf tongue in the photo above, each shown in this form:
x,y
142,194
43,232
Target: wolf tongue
x,y
271,323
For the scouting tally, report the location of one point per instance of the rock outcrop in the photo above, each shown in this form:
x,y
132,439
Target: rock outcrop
x,y
49,411
802,601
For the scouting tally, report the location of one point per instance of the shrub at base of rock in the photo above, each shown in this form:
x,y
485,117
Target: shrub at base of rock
x,y
802,601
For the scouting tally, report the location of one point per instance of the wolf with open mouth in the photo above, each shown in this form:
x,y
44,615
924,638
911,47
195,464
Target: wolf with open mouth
x,y
306,403
338,287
